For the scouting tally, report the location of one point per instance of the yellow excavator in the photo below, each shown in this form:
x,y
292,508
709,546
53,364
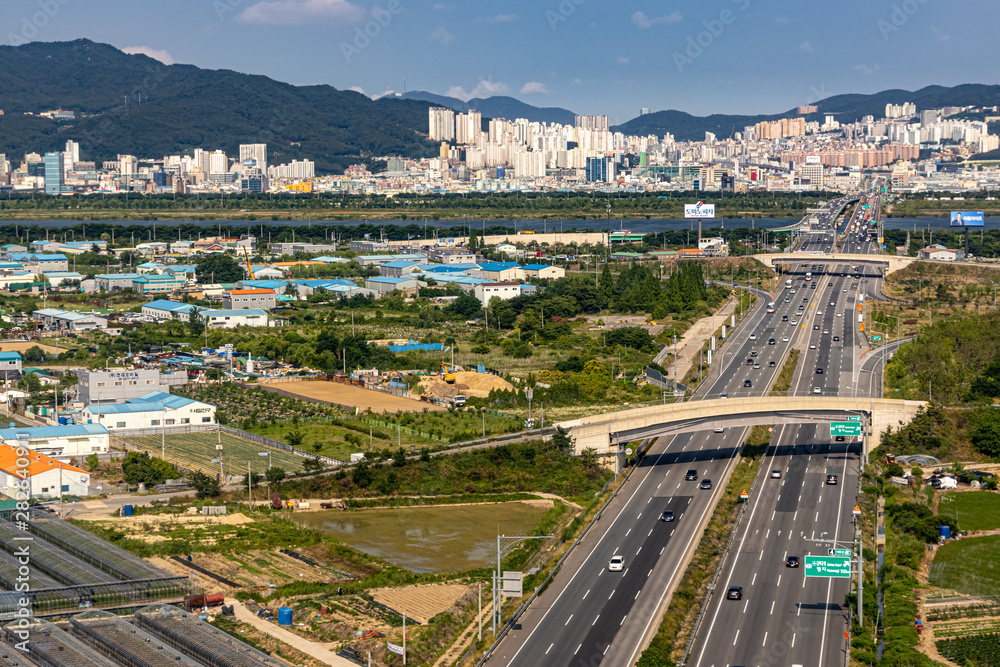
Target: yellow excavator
x,y
249,268
447,375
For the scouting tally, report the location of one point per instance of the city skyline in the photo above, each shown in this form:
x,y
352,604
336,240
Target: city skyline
x,y
736,56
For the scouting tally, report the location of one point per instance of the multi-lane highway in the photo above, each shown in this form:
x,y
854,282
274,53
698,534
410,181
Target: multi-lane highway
x,y
796,509
591,615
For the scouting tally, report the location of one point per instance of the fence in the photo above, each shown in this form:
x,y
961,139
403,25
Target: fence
x,y
657,378
239,433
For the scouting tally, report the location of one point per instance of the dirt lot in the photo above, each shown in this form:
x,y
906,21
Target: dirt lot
x,y
363,399
421,603
466,383
22,345
253,569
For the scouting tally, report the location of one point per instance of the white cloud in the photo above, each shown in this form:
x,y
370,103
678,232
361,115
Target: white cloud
x,y
499,18
622,60
940,35
441,36
163,56
440,7
867,69
533,87
483,89
300,12
577,81
643,22
806,47
357,89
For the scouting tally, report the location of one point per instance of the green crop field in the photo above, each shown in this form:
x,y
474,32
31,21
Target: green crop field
x,y
968,566
195,451
974,510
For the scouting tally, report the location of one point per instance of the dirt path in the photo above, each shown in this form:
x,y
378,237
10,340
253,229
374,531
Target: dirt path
x,y
692,340
312,649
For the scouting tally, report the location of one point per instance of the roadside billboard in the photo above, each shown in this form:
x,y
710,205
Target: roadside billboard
x,y
967,219
699,210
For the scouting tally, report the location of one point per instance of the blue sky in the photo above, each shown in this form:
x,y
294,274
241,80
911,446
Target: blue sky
x,y
590,56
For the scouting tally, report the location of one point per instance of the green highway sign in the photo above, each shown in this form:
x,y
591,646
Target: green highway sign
x,y
845,428
841,552
838,567
876,337
854,419
865,206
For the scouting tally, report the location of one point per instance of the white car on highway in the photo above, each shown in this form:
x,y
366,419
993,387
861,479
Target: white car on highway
x,y
617,564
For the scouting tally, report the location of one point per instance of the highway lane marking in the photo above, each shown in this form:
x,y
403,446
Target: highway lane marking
x,y
639,515
549,648
637,594
803,584
595,620
649,574
568,620
768,534
793,640
772,514
629,531
779,579
650,499
585,594
580,569
624,573
761,556
764,643
650,532
661,550
612,593
637,552
671,535
772,607
689,501
736,637
577,649
625,616
754,580
606,649
817,516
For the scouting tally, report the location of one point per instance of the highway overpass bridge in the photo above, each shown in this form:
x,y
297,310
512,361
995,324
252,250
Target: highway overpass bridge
x,y
890,262
604,433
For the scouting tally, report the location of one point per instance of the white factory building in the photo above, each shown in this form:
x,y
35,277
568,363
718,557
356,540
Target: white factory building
x,y
61,442
151,411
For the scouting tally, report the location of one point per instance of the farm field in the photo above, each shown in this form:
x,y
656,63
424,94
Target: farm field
x,y
974,510
430,539
363,399
24,345
195,451
968,566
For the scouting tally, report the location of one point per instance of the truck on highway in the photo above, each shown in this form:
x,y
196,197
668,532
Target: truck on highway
x,y
788,284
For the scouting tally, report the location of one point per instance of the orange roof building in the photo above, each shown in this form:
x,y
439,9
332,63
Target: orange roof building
x,y
43,474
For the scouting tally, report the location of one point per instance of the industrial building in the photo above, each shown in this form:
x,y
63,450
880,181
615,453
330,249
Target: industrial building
x,y
59,442
155,410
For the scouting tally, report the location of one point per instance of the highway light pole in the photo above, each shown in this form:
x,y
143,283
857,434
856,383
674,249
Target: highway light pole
x,y
510,541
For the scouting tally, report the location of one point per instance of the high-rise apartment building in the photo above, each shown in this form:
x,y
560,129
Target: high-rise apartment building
x,y
442,124
128,165
468,126
257,153
218,163
598,123
70,156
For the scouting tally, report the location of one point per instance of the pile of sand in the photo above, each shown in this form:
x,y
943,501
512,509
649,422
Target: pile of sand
x,y
466,383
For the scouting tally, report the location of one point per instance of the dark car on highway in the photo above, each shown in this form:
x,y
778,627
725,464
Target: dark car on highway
x,y
792,561
831,479
667,516
735,593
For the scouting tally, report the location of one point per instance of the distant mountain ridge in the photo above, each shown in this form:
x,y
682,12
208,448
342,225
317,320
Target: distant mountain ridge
x,y
184,107
845,108
498,106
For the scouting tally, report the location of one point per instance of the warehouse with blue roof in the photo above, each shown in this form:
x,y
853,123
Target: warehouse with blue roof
x,y
155,410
